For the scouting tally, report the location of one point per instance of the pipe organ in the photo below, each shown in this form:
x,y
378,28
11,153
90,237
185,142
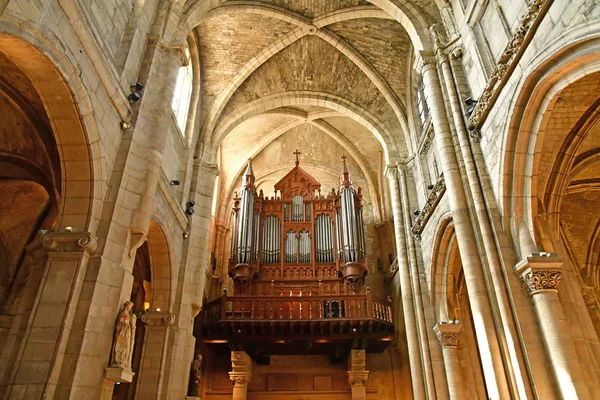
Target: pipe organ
x,y
298,242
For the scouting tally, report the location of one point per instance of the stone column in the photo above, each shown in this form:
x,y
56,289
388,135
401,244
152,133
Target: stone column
x,y
507,330
46,353
358,374
541,273
448,335
487,338
241,373
408,307
154,354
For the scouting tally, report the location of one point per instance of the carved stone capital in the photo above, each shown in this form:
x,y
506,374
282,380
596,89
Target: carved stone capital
x,y
425,62
540,272
70,242
173,49
448,334
358,378
240,379
208,168
158,319
392,172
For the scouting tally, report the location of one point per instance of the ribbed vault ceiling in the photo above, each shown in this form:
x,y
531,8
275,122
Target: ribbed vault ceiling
x,y
275,72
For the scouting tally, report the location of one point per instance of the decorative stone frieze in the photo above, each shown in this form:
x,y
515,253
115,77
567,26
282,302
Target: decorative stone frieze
x,y
70,242
508,61
432,201
540,272
448,334
158,319
392,271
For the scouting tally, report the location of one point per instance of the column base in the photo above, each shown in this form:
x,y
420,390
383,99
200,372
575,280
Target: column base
x,y
119,374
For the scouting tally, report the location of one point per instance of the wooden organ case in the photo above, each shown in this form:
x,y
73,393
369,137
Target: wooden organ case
x,y
298,258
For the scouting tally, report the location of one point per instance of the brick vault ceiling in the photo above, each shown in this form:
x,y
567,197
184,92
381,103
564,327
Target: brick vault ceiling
x,y
265,58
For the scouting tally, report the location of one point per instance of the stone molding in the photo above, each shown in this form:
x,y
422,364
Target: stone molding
x,y
392,172
432,201
70,242
540,272
508,61
448,334
157,319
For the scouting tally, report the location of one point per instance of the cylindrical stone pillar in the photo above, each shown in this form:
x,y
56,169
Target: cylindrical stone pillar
x,y
449,335
408,308
487,338
358,374
241,366
542,274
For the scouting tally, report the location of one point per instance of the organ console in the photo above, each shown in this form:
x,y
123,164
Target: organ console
x,y
298,241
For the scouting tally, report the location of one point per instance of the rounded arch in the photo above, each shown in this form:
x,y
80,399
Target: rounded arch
x,y
70,115
160,267
568,59
342,106
439,264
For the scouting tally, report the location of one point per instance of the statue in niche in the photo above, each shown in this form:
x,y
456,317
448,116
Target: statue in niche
x,y
124,337
194,389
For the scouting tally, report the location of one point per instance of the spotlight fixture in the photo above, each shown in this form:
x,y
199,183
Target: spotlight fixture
x,y
133,97
175,182
125,125
138,87
186,234
189,210
416,213
136,90
471,103
430,186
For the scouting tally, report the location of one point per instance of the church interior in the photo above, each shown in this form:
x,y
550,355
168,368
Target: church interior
x,y
299,199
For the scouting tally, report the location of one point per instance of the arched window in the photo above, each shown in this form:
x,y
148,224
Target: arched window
x,y
421,102
183,94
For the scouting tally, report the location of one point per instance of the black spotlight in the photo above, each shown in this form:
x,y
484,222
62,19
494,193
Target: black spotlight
x,y
416,213
190,204
189,211
430,186
470,105
138,87
175,182
135,96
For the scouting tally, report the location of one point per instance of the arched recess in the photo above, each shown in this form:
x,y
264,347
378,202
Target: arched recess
x,y
552,173
69,115
48,169
450,300
160,265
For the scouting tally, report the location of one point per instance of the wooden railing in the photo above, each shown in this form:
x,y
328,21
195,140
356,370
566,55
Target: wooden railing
x,y
265,308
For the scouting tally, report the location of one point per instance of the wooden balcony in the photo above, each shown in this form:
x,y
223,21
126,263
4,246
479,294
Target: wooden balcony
x,y
268,321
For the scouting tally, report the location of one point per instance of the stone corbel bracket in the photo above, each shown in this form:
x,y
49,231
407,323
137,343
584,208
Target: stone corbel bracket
x,y
508,61
448,334
432,201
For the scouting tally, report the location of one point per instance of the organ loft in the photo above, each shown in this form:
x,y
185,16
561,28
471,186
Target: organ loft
x,y
298,263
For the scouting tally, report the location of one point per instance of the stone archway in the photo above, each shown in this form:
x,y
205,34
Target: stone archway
x,y
452,308
47,171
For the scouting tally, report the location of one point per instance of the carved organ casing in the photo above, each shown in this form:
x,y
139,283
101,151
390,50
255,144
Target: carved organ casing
x,y
298,242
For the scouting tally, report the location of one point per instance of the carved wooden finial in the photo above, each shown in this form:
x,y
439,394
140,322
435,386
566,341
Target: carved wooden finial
x,y
297,153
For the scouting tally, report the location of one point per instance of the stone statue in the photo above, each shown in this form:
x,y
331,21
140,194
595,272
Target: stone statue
x,y
124,337
195,376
